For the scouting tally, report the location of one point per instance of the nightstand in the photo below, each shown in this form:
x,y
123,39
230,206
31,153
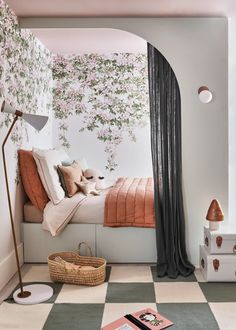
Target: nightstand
x,y
218,254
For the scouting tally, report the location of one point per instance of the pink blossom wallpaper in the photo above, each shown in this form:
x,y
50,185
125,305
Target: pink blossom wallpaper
x,y
25,72
108,92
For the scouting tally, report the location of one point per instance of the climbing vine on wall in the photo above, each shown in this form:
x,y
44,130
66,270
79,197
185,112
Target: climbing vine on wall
x,y
109,93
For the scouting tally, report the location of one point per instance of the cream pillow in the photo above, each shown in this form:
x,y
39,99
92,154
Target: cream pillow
x,y
47,162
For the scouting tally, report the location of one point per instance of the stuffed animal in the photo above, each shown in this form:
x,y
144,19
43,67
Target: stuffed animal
x,y
95,176
87,187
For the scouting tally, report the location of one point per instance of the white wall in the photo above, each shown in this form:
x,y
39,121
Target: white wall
x,y
196,48
232,121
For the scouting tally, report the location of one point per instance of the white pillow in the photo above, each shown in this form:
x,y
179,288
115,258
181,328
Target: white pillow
x,y
83,163
65,159
47,162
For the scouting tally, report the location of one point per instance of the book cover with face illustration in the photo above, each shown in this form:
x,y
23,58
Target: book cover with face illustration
x,y
146,319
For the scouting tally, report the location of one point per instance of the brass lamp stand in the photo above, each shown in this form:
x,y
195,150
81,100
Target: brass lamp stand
x,y
35,293
22,293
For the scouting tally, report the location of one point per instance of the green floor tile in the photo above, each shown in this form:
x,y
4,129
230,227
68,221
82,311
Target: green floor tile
x,y
130,292
108,273
219,292
75,317
194,316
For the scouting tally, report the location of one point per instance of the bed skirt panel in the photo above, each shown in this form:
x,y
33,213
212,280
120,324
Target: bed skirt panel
x,y
117,245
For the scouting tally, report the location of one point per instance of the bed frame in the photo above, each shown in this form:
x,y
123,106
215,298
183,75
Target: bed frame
x,y
116,245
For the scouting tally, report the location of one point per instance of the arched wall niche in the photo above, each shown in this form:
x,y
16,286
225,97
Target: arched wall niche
x,y
197,51
124,150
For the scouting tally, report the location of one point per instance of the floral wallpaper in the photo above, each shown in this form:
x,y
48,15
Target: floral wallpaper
x,y
25,72
109,93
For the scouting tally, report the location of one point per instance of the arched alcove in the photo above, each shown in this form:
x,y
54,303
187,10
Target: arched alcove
x,y
192,47
101,98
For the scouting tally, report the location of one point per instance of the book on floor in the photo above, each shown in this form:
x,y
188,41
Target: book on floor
x,y
146,319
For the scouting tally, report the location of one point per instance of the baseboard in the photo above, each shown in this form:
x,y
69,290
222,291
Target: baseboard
x,y
8,266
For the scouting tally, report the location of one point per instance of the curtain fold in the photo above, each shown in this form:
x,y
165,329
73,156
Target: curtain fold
x,y
165,121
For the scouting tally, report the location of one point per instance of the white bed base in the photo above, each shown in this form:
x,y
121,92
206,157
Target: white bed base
x,y
116,245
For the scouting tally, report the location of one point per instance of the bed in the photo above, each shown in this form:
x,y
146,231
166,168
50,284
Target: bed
x,y
90,211
117,245
85,222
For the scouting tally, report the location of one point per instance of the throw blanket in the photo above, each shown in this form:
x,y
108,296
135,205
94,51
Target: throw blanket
x,y
56,217
130,203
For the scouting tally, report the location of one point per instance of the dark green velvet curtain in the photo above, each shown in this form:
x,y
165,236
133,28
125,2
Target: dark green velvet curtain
x,y
165,118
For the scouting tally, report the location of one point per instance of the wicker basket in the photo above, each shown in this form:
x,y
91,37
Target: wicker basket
x,y
59,273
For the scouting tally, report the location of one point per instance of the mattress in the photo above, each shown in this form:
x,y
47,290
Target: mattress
x,y
91,210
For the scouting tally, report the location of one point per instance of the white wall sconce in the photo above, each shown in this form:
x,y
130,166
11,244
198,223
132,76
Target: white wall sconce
x,y
204,94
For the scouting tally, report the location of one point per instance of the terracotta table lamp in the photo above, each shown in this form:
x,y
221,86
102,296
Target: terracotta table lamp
x,y
214,215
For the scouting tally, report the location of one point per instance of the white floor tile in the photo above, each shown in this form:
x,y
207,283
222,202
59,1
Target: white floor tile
x,y
23,317
39,273
114,311
178,292
131,274
82,294
225,314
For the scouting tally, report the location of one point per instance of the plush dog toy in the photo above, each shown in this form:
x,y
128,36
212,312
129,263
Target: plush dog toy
x,y
95,176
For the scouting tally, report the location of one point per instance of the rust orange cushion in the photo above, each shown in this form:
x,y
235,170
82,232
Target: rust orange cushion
x,y
31,180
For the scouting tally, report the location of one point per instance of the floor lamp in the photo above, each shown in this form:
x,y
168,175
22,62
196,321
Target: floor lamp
x,y
34,293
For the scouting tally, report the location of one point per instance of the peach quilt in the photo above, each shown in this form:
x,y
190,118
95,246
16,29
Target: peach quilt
x,y
130,203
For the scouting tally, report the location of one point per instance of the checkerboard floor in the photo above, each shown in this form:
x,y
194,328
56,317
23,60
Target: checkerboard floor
x,y
190,303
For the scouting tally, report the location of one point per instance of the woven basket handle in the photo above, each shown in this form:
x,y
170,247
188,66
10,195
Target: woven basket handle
x,y
84,243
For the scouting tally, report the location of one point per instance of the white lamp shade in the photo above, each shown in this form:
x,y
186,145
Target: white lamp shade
x,y
8,108
37,121
1,97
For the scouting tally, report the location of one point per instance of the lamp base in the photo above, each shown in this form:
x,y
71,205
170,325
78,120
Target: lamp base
x,y
38,294
23,294
214,225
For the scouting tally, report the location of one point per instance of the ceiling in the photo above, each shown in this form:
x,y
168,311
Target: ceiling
x,y
84,41
115,8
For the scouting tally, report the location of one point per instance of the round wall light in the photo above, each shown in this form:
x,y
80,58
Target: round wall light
x,y
204,94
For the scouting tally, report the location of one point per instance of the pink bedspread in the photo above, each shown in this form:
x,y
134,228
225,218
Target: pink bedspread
x,y
130,203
